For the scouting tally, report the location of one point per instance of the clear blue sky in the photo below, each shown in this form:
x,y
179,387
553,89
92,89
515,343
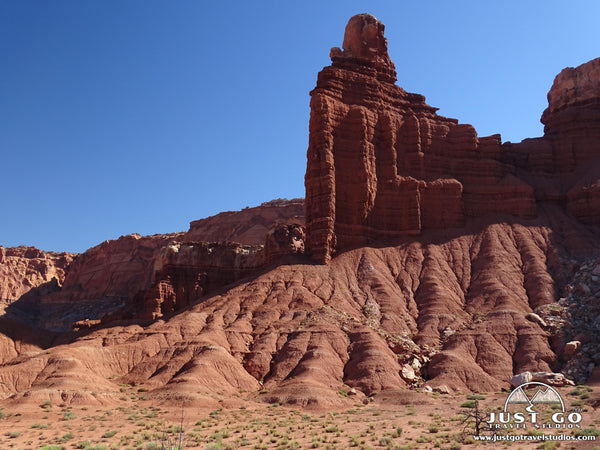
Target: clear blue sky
x,y
131,116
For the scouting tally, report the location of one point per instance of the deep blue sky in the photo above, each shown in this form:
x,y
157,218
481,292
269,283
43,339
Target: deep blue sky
x,y
131,116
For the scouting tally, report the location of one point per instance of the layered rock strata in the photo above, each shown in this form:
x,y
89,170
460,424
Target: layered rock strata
x,y
382,163
504,230
248,226
184,272
147,277
453,305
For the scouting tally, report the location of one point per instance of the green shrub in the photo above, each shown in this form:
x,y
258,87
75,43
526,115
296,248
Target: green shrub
x,y
47,405
588,432
66,437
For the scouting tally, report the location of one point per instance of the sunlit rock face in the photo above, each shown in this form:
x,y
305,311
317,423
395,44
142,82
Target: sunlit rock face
x,y
383,164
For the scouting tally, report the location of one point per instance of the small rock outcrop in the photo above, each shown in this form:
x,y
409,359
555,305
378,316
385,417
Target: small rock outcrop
x,y
248,226
382,163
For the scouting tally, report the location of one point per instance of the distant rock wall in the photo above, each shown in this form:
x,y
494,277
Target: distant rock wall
x,y
24,268
248,226
382,163
147,277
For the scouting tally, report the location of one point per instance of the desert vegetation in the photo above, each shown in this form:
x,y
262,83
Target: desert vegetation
x,y
388,421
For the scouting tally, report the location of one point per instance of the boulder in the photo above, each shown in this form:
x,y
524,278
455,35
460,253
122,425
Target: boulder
x,y
442,389
553,379
571,348
533,317
408,373
518,380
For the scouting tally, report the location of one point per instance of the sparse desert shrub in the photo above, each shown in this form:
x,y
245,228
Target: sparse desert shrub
x,y
214,446
66,437
588,432
386,441
549,445
469,404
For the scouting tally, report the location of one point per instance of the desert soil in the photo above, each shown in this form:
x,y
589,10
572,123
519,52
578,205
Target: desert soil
x,y
392,420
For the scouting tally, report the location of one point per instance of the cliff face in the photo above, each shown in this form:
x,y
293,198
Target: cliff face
x,y
382,163
24,268
572,125
248,226
453,305
147,277
491,265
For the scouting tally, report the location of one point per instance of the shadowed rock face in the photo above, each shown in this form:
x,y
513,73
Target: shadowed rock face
x,y
382,163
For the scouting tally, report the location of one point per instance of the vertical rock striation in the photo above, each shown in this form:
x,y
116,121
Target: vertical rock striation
x,y
382,163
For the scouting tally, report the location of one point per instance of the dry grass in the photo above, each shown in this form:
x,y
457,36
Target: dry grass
x,y
139,424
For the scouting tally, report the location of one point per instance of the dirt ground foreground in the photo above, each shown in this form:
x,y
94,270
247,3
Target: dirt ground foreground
x,y
391,420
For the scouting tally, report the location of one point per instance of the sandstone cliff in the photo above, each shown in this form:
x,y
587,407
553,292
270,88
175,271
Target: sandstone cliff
x,y
248,226
483,262
146,277
24,268
453,305
382,163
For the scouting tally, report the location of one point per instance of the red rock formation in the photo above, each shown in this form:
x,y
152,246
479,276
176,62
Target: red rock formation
x,y
25,268
382,163
284,240
564,164
184,272
115,269
137,277
583,201
248,226
454,301
465,305
98,282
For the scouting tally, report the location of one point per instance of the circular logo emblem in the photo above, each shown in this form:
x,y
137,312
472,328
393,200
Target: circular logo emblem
x,y
534,393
